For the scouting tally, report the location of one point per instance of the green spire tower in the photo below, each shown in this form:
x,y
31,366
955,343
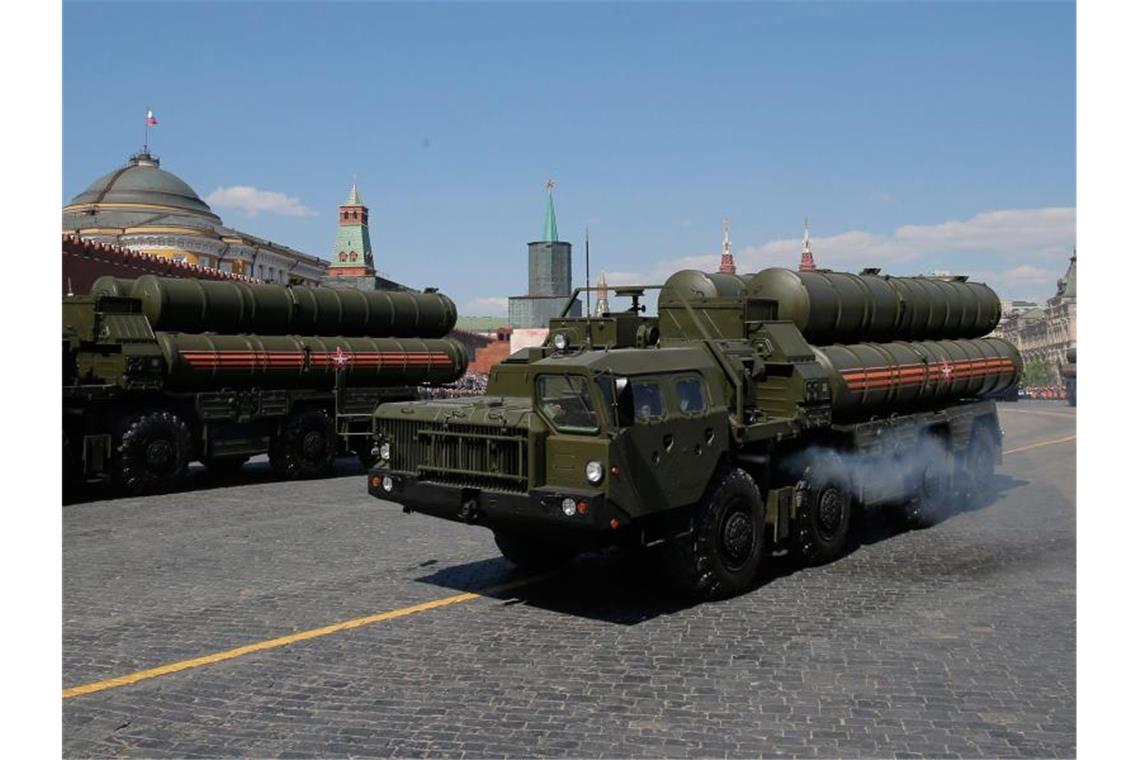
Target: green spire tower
x,y
549,275
550,228
352,252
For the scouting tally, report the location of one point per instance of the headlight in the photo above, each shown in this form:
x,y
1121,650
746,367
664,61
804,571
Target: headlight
x,y
387,484
569,507
594,472
560,342
385,451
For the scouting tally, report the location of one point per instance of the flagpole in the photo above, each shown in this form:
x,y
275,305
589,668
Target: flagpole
x,y
146,132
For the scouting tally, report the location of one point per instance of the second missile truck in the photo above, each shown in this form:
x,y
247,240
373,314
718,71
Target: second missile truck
x,y
751,415
159,372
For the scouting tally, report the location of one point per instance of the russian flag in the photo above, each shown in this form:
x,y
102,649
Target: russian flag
x,y
150,120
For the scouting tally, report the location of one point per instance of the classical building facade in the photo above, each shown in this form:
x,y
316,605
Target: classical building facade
x,y
146,209
1044,333
549,275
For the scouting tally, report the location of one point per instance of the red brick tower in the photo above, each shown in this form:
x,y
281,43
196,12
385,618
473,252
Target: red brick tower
x,y
807,261
727,263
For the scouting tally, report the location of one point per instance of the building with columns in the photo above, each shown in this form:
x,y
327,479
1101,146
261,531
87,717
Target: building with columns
x,y
549,274
146,209
1044,333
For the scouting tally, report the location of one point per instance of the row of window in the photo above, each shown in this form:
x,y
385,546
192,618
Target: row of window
x,y
565,400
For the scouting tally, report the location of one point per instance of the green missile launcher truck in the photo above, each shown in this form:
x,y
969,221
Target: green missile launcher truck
x,y
160,372
752,415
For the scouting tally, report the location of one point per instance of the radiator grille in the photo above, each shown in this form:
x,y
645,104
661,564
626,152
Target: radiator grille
x,y
473,456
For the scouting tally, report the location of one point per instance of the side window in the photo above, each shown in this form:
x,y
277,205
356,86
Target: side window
x,y
690,395
647,402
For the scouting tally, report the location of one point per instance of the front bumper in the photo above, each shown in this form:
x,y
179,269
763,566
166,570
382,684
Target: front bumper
x,y
537,508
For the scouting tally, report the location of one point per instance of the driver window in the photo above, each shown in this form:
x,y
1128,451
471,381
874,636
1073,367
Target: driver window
x,y
647,402
690,395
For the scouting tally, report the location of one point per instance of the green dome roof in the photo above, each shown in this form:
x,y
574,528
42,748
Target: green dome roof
x,y
141,181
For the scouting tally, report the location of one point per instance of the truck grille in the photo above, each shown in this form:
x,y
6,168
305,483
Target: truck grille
x,y
472,456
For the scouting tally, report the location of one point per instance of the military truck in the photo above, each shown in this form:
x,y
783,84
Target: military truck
x,y
1068,372
752,415
159,372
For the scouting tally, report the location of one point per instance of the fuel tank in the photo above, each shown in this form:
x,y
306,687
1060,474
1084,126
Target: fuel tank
x,y
842,307
196,361
877,377
225,306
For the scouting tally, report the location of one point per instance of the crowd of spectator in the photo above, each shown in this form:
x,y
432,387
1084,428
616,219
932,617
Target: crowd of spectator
x,y
471,384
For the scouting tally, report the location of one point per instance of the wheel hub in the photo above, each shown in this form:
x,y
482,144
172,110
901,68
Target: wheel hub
x,y
736,538
830,513
159,455
313,444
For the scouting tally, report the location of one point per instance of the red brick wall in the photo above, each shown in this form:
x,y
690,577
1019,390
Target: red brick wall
x,y
489,355
85,261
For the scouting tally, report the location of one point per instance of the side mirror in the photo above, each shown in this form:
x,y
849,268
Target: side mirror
x,y
623,399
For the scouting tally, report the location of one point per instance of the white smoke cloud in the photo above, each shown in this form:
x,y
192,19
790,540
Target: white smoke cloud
x,y
253,201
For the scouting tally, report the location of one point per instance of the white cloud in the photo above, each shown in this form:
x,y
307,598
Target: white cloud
x,y
1006,235
487,306
1018,251
253,201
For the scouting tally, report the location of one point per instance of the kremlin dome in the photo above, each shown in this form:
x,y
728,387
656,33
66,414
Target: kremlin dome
x,y
148,210
142,182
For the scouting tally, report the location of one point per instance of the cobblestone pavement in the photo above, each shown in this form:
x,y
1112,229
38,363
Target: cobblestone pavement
x,y
956,641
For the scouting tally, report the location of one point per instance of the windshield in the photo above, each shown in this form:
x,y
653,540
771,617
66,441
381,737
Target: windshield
x,y
565,401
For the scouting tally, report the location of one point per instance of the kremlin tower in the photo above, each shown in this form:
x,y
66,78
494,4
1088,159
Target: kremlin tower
x,y
807,262
603,303
727,263
352,263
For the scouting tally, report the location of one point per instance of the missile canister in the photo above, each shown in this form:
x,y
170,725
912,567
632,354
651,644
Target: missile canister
x,y
193,306
108,285
866,377
714,298
841,307
292,361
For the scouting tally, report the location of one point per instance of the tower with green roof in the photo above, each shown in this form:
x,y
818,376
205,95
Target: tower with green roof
x,y
549,276
352,251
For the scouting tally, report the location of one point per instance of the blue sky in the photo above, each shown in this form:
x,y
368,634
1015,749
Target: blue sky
x,y
917,137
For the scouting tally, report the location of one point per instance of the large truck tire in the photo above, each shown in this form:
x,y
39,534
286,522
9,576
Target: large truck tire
x,y
721,556
933,491
823,517
305,447
152,454
530,553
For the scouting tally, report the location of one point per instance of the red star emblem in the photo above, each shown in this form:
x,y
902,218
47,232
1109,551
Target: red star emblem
x,y
945,368
340,358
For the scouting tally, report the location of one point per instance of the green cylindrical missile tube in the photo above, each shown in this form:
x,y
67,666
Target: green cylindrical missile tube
x,y
714,298
108,285
841,307
867,377
229,306
293,361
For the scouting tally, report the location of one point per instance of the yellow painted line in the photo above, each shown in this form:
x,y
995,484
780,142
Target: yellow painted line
x,y
1040,412
293,638
1041,444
